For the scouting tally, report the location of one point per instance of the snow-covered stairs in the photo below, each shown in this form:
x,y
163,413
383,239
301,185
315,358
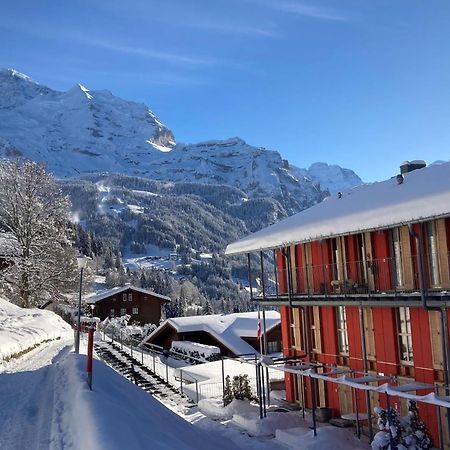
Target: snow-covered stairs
x,y
143,376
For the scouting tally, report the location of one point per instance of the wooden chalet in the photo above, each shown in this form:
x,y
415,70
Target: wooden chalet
x,y
142,305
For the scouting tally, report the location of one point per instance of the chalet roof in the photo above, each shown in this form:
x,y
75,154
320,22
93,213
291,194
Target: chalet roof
x,y
119,290
228,329
423,195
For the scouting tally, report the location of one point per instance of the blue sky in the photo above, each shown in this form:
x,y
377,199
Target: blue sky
x,y
360,83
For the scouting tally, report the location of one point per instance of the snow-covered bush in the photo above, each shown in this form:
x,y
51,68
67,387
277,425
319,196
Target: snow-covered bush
x,y
119,328
239,389
404,433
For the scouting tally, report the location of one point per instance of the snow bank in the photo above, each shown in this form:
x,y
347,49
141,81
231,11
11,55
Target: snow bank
x,y
117,414
327,437
214,409
267,426
22,329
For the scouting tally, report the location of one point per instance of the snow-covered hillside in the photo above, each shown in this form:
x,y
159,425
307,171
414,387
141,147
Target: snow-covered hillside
x,y
83,131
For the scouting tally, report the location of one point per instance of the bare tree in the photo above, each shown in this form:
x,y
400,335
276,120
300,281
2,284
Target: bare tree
x,y
34,217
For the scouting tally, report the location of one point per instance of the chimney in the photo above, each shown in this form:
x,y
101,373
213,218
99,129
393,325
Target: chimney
x,y
409,166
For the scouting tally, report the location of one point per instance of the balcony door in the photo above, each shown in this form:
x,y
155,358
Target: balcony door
x,y
401,258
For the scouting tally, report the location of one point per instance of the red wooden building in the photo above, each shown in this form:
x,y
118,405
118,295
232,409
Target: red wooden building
x,y
363,284
142,305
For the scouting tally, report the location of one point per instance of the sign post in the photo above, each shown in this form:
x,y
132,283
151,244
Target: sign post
x,y
89,356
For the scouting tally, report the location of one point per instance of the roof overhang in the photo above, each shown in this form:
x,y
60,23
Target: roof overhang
x,y
424,195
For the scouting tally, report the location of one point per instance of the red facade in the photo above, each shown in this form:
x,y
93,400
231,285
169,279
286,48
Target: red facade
x,y
403,341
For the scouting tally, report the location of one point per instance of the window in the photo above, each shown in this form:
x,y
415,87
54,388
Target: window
x,y
273,347
338,256
135,311
130,297
397,248
124,297
123,311
296,328
404,335
342,330
433,257
315,329
112,312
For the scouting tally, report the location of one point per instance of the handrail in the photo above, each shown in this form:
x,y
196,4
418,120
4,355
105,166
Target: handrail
x,y
362,277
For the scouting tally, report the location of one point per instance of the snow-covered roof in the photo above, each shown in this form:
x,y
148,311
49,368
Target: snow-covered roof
x,y
119,290
9,246
228,329
423,195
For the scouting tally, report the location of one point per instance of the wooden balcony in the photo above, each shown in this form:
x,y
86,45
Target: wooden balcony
x,y
378,282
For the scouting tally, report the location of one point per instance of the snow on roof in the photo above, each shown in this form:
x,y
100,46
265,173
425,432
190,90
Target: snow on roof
x,y
118,290
229,329
423,195
9,245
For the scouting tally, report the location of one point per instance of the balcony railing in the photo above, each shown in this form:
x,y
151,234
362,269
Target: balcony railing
x,y
359,278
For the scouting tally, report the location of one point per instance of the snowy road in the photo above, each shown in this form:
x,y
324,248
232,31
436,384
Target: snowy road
x,y
27,398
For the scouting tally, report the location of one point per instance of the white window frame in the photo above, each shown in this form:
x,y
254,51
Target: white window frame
x,y
397,247
342,330
404,332
433,254
135,310
112,312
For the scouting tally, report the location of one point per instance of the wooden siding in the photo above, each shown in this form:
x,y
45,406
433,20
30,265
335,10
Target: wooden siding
x,y
149,306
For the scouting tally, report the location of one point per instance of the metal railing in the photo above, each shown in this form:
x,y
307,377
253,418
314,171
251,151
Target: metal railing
x,y
361,278
156,359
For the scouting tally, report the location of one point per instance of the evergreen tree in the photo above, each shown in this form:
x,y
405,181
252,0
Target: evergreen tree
x,y
241,388
417,432
227,392
207,308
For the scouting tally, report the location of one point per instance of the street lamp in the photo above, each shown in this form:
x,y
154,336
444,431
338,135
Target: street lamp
x,y
92,309
82,263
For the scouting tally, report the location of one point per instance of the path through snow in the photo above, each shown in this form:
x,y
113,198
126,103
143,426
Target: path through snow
x,y
27,400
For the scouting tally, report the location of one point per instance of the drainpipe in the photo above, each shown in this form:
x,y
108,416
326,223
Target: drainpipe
x,y
287,254
365,368
442,310
275,272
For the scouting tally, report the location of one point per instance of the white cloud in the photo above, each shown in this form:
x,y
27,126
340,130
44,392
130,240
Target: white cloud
x,y
303,9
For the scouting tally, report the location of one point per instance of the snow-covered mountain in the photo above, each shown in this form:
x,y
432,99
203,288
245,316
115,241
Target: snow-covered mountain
x,y
330,177
76,131
82,131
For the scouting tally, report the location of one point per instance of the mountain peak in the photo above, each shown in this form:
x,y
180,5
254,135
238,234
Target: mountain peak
x,y
79,91
12,73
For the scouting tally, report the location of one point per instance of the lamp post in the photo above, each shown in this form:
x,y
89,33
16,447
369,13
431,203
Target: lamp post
x,y
92,310
82,263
